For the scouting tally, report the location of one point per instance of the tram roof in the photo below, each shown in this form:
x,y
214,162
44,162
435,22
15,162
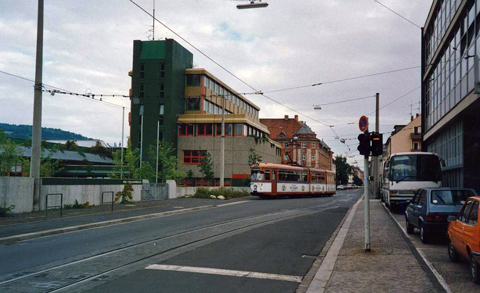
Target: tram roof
x,y
288,167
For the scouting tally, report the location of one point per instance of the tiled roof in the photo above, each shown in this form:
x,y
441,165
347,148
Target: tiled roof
x,y
282,129
305,129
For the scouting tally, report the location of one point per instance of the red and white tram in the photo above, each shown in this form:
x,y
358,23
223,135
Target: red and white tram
x,y
272,180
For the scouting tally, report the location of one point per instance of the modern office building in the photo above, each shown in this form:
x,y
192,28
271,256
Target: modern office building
x,y
157,93
184,106
300,144
450,104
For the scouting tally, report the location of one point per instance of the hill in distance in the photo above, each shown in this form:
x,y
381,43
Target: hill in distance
x,y
25,132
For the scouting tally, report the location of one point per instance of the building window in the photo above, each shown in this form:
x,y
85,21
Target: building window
x,y
415,130
285,144
185,129
192,104
193,80
304,145
141,90
228,129
238,129
205,129
313,157
162,70
193,157
162,90
313,145
415,146
142,71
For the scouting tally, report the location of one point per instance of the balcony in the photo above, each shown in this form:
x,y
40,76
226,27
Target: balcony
x,y
416,136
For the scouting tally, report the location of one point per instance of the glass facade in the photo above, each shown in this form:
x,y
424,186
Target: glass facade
x,y
451,75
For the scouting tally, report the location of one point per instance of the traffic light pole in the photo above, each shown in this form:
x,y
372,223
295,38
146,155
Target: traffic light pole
x,y
367,204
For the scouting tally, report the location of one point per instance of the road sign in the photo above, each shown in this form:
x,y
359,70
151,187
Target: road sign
x,y
363,123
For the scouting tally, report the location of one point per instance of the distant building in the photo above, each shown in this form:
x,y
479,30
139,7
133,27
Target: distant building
x,y
300,144
450,103
405,138
182,105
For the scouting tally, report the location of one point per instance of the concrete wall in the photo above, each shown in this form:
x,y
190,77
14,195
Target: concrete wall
x,y
82,193
184,191
17,191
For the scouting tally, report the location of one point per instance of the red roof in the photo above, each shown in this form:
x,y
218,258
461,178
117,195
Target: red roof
x,y
282,128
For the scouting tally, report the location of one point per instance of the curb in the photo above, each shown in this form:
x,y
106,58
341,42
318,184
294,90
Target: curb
x,y
320,281
22,237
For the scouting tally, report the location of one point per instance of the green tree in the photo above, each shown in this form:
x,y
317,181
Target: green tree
x,y
206,167
130,162
253,158
100,150
167,161
10,153
146,171
344,170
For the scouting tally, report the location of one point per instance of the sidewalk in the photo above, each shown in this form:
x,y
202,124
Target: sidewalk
x,y
392,265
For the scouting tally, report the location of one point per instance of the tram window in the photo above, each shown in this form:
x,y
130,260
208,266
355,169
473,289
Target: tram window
x,y
267,174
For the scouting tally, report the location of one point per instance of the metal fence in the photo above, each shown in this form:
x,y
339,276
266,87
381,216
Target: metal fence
x,y
155,191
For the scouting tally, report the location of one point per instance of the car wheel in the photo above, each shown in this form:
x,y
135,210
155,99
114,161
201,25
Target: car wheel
x,y
423,235
410,228
452,253
474,269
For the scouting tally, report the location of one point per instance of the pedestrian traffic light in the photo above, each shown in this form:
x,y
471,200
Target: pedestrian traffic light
x,y
377,144
364,143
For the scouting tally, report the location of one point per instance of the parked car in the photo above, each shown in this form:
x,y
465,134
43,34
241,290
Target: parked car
x,y
464,236
430,208
340,187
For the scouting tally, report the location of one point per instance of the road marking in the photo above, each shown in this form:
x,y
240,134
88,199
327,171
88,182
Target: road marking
x,y
232,273
232,203
439,277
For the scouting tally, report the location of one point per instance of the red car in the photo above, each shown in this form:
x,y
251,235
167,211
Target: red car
x,y
464,236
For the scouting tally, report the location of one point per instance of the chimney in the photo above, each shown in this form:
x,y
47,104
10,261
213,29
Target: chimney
x,y
286,117
296,117
417,115
411,118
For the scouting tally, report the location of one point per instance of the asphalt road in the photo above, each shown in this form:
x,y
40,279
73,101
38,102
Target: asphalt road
x,y
250,246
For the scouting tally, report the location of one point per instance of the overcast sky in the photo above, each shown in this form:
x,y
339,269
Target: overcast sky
x,y
88,47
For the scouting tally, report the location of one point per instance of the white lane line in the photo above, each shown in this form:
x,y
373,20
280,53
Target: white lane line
x,y
232,203
221,272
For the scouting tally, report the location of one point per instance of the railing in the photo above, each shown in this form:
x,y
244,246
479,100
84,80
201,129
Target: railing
x,y
106,202
61,204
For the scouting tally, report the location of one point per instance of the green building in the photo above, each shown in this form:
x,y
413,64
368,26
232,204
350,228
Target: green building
x,y
157,93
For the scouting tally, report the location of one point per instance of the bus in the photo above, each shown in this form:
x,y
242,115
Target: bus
x,y
405,172
273,180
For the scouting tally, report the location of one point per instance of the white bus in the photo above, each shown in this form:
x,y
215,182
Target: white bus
x,y
405,172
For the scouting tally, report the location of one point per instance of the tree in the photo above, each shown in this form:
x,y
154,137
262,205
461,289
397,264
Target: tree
x,y
206,167
70,145
253,158
130,161
167,161
344,170
10,153
100,150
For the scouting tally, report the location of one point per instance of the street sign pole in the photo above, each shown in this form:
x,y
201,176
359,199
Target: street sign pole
x,y
367,204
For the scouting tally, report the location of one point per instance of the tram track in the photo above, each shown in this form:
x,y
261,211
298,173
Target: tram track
x,y
65,277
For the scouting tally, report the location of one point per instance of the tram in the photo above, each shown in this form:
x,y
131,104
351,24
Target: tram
x,y
272,180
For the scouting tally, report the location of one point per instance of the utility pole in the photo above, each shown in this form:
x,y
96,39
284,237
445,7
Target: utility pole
x,y
37,112
376,159
222,152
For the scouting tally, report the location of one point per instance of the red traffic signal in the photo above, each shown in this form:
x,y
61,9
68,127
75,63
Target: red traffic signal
x,y
364,144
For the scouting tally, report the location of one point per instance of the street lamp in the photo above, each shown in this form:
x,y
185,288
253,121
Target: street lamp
x,y
252,4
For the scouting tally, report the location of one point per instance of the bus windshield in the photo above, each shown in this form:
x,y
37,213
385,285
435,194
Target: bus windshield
x,y
415,168
257,176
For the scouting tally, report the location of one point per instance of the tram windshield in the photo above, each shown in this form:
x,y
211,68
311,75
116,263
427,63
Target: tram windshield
x,y
258,176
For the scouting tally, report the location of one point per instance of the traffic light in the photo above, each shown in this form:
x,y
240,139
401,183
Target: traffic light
x,y
377,144
364,143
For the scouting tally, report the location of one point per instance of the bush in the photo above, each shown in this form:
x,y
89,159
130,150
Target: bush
x,y
228,193
6,211
77,205
125,194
